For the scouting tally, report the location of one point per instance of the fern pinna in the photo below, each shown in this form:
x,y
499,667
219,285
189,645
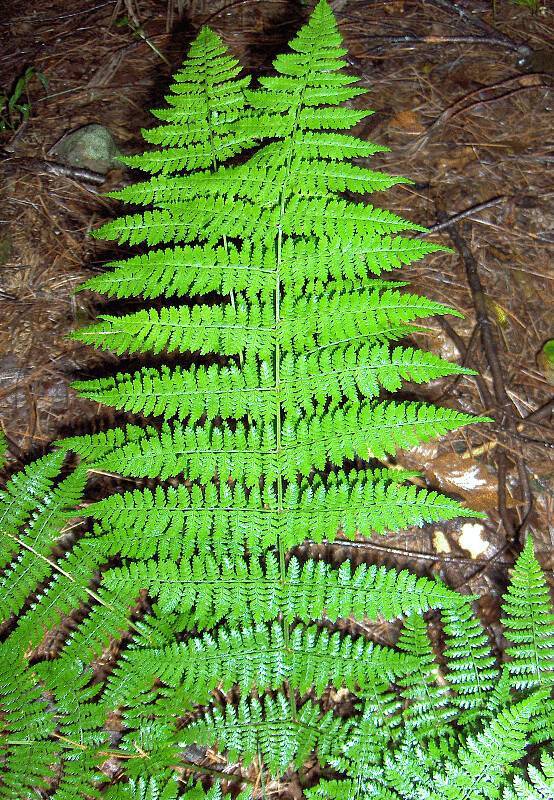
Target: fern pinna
x,y
270,432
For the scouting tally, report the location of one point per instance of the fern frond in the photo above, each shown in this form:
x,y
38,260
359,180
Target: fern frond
x,y
428,711
201,269
32,564
249,390
529,623
179,591
226,522
259,181
306,323
205,122
20,497
375,729
273,729
483,761
28,754
347,790
472,670
262,658
540,785
252,593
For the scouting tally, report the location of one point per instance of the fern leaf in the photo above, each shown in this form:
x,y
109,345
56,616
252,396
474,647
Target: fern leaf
x,y
151,789
529,623
208,97
233,392
261,658
288,325
540,785
275,730
481,763
20,497
225,522
32,564
427,713
189,270
471,666
205,329
245,453
254,593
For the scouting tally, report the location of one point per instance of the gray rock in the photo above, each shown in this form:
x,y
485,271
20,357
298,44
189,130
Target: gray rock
x,y
92,147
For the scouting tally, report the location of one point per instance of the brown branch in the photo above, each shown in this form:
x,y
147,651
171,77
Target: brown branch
x,y
544,412
484,394
39,165
457,8
408,38
504,403
469,212
487,94
398,551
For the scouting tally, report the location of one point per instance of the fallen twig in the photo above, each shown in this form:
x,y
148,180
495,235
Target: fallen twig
x,y
475,22
484,394
487,94
53,168
408,38
469,212
544,412
503,401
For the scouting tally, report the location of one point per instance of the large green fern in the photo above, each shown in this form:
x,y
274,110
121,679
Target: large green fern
x,y
269,433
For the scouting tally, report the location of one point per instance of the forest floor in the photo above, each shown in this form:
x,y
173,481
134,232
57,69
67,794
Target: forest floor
x,y
463,95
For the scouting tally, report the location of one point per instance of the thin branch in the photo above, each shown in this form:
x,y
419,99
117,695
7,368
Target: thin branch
x,y
503,401
544,412
39,165
469,212
484,394
487,41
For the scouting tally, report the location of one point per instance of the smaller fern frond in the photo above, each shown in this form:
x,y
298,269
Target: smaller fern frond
x,y
428,711
20,497
249,390
540,785
32,565
203,328
481,764
529,623
471,666
204,122
272,728
28,753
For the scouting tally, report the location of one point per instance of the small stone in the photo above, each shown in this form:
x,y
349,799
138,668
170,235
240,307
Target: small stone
x,y
471,539
90,147
440,542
